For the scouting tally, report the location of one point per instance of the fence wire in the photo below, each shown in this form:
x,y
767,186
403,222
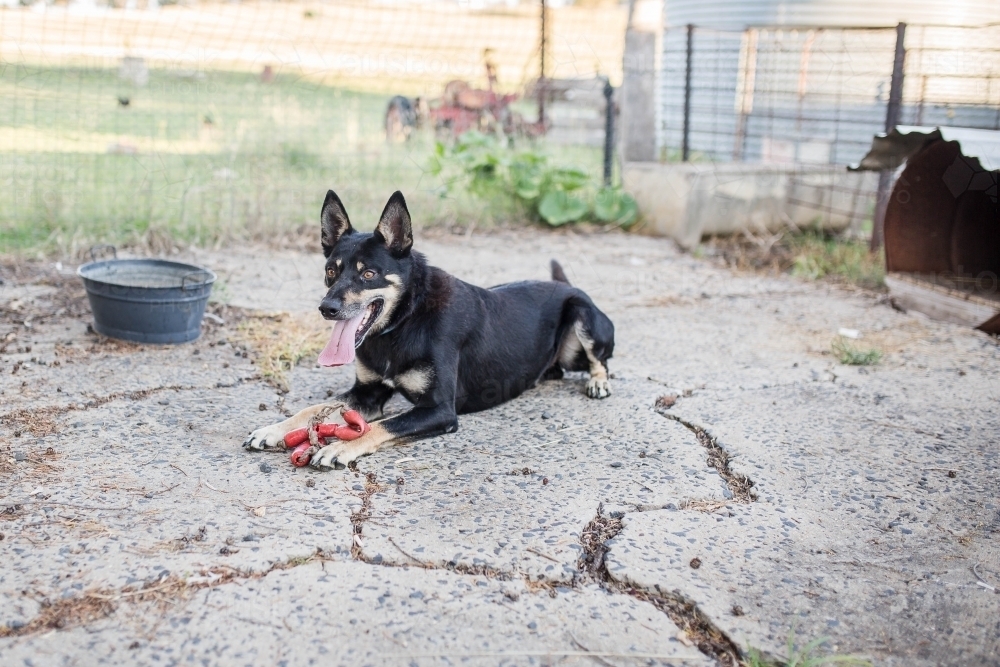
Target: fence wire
x,y
808,99
817,95
952,77
210,120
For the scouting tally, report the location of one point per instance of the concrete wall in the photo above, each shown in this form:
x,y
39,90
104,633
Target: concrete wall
x,y
687,201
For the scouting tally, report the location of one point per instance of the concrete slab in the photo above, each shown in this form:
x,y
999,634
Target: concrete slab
x,y
877,508
851,467
356,614
133,488
518,483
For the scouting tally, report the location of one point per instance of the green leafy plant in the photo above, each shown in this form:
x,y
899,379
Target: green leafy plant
x,y
556,195
557,207
805,656
613,205
851,355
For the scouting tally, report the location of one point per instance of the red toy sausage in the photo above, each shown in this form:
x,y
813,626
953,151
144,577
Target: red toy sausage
x,y
296,437
298,440
355,427
300,455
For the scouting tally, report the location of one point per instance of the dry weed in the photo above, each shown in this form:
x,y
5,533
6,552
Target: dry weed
x,y
594,538
280,341
707,506
37,422
95,604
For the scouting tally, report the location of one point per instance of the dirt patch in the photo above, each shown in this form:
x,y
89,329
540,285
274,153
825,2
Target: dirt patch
x,y
62,614
749,252
37,422
707,506
65,296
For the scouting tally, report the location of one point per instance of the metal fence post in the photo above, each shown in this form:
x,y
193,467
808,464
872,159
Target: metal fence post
x,y
892,110
892,113
543,44
686,146
609,130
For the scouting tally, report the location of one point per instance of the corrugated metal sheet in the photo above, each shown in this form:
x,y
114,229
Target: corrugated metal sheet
x,y
889,151
741,13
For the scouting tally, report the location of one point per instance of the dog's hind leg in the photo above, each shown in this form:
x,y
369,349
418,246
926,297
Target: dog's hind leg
x,y
588,346
599,385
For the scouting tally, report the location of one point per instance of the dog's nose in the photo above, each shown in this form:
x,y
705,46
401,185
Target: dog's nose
x,y
330,307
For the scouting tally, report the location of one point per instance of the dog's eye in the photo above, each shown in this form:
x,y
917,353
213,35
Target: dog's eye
x,y
368,275
330,273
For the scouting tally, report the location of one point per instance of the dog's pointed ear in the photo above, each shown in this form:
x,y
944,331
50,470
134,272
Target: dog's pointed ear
x,y
394,227
334,222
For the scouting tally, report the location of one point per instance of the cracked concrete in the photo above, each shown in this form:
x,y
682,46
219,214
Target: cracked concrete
x,y
876,489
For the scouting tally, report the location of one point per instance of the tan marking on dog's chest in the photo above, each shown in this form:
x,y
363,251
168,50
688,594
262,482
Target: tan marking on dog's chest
x,y
415,381
364,374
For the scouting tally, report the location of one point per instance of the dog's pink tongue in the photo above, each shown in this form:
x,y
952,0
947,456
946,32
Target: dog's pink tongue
x,y
340,349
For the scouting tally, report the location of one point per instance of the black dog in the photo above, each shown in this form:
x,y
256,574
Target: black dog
x,y
447,346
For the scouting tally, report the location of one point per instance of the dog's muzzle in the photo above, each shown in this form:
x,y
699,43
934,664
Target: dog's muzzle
x,y
350,326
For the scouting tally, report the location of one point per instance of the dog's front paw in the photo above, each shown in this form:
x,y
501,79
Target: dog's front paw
x,y
268,437
331,457
598,388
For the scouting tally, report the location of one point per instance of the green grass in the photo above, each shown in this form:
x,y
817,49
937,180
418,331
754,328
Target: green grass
x,y
817,255
808,254
200,158
804,656
851,355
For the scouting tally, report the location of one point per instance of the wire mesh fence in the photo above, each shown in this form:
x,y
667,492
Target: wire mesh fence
x,y
213,120
806,99
817,95
952,77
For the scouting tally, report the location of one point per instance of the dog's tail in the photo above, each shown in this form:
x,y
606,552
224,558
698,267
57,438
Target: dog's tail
x,y
557,272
